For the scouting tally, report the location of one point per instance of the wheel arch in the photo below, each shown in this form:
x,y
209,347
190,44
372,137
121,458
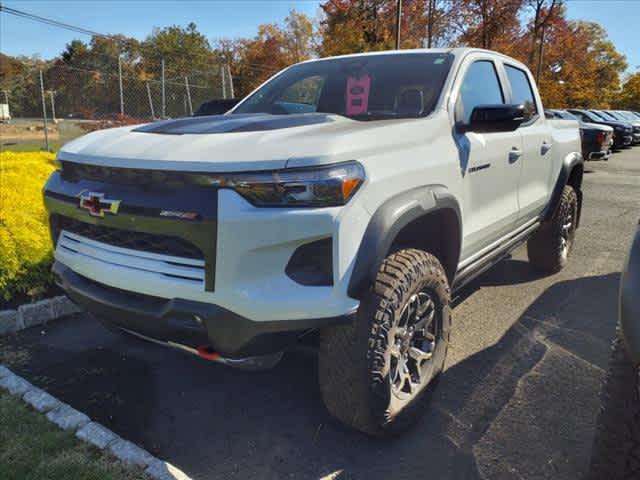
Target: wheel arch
x,y
399,223
571,173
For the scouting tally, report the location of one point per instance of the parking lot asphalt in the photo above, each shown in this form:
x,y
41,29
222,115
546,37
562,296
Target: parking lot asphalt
x,y
518,399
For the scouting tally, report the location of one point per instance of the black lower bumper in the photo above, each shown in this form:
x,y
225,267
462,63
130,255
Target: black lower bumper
x,y
183,321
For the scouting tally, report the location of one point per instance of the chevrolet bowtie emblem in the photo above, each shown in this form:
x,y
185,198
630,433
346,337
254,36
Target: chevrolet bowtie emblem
x,y
98,205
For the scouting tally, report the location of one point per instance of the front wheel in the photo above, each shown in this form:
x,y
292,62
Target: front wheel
x,y
374,373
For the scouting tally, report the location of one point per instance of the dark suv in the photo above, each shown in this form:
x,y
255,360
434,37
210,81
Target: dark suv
x,y
596,140
622,131
627,117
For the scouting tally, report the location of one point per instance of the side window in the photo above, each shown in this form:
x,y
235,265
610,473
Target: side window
x,y
521,90
480,87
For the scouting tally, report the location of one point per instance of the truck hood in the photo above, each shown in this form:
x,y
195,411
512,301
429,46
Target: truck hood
x,y
236,142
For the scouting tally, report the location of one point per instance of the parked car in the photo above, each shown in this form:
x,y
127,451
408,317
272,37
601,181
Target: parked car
x,y
617,441
622,131
231,236
596,140
625,118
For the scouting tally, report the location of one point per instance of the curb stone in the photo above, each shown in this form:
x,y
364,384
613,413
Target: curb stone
x,y
41,400
38,313
8,321
130,453
97,435
15,384
68,418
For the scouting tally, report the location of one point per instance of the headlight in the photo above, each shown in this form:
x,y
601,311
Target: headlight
x,y
304,187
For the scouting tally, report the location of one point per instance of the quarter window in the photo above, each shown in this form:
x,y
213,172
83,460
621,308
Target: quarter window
x,y
521,90
480,87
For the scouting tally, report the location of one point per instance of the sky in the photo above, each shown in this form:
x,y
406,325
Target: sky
x,y
238,18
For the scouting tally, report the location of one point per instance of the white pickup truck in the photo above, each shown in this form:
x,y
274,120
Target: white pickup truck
x,y
346,196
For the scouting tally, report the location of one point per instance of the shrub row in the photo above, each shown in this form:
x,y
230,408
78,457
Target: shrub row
x,y
25,245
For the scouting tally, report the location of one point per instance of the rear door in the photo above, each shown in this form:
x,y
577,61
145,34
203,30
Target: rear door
x,y
489,173
535,163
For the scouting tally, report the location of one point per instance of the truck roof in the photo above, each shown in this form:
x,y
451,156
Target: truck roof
x,y
458,52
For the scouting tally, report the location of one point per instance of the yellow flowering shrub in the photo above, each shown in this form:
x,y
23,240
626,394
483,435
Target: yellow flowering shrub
x,y
25,245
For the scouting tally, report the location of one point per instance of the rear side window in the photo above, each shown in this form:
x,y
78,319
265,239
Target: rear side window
x,y
480,87
521,90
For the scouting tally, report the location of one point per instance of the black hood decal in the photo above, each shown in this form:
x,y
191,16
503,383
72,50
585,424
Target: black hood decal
x,y
250,122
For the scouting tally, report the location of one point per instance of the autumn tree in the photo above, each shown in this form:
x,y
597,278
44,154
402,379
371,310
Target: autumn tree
x,y
629,97
490,24
349,26
276,46
544,10
581,66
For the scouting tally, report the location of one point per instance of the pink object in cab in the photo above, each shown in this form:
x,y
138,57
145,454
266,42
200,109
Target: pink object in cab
x,y
358,94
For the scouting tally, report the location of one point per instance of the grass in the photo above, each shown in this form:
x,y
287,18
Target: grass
x,y
32,448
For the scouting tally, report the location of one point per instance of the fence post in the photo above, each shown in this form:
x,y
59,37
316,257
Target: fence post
x,y
164,98
53,107
224,87
186,86
44,113
153,115
120,84
230,82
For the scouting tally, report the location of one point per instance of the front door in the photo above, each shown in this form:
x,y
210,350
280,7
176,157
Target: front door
x,y
489,162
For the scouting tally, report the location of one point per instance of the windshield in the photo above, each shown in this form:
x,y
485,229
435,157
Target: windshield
x,y
607,115
566,115
598,116
370,87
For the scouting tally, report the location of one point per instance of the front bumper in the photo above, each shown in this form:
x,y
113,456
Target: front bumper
x,y
186,322
622,140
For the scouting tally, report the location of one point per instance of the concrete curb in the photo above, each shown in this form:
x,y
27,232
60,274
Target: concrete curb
x,y
68,418
38,313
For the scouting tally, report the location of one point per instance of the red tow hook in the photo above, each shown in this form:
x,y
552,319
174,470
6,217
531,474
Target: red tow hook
x,y
206,352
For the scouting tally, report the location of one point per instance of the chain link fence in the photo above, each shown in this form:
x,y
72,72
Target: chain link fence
x,y
72,101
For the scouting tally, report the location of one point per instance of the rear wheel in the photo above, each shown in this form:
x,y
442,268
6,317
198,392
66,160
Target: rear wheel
x,y
374,373
549,248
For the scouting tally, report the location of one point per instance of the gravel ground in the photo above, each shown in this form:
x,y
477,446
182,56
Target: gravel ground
x,y
518,399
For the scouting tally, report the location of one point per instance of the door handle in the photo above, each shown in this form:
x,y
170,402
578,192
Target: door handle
x,y
545,147
514,154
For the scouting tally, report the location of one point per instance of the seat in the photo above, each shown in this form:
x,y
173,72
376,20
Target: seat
x,y
411,102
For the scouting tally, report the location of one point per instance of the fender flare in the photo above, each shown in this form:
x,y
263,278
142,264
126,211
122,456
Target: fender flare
x,y
570,162
385,224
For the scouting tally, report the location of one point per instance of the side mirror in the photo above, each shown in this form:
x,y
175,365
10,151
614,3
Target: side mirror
x,y
494,118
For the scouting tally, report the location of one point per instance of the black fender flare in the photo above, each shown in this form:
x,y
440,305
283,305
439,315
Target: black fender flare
x,y
385,224
629,311
570,162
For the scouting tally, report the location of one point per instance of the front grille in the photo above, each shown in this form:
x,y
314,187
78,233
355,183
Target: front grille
x,y
145,242
72,171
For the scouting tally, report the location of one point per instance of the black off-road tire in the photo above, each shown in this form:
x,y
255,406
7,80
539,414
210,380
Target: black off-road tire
x,y
354,360
550,246
616,447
